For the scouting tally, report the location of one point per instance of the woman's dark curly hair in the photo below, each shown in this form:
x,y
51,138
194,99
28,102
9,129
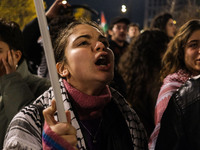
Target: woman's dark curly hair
x,y
160,21
140,67
141,63
173,59
142,60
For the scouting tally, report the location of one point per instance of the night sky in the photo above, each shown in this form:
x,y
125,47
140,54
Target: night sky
x,y
112,8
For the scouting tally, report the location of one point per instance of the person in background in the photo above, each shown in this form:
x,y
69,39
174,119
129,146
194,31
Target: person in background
x,y
140,67
55,25
180,62
165,23
118,32
133,31
118,44
33,51
18,87
100,115
180,123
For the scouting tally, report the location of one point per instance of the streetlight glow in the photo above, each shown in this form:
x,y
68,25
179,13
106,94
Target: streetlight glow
x,y
64,2
123,9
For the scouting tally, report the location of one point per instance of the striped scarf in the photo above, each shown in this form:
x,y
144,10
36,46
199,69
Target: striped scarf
x,y
170,84
25,130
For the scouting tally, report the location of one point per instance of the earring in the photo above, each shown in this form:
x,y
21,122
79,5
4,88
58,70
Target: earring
x,y
16,66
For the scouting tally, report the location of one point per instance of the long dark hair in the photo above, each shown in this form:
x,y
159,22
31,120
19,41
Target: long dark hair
x,y
140,67
160,21
142,62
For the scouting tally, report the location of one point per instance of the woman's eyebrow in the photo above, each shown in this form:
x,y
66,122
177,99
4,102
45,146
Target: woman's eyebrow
x,y
191,41
87,36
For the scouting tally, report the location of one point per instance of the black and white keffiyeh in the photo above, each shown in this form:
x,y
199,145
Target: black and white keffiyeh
x,y
25,130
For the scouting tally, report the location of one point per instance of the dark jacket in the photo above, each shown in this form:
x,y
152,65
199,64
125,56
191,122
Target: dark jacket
x,y
33,51
180,124
117,50
118,82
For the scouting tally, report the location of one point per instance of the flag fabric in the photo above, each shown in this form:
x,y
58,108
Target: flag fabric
x,y
104,24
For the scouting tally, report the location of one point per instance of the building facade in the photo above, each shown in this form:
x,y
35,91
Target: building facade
x,y
154,7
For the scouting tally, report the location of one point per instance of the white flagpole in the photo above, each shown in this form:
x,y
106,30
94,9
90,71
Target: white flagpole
x,y
50,59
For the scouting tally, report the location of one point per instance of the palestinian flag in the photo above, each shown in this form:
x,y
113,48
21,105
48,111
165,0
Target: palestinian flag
x,y
104,25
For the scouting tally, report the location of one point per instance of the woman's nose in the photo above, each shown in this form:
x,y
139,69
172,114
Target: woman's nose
x,y
99,46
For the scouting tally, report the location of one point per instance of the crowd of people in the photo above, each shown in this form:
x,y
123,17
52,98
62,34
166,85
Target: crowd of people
x,y
127,90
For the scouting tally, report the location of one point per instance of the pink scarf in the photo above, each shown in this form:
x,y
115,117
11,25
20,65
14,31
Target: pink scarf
x,y
170,84
88,107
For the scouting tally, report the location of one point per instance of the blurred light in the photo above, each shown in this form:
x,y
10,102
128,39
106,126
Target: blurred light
x,y
64,2
123,9
174,21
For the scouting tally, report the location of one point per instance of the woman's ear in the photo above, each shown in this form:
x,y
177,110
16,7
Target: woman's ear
x,y
18,55
62,69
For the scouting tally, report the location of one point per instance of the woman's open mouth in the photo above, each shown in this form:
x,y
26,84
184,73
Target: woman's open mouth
x,y
103,62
